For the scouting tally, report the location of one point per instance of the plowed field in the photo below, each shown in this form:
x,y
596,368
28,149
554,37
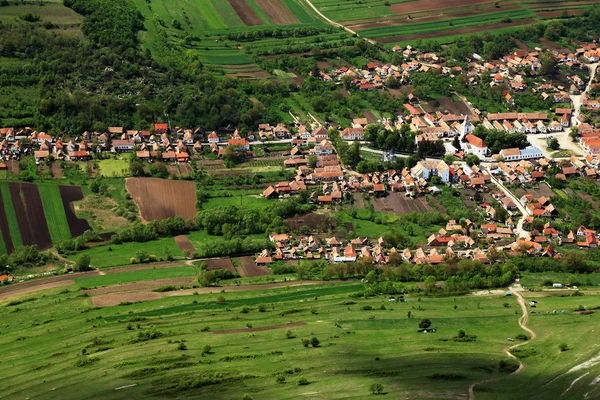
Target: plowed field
x,y
246,14
30,214
277,12
249,268
160,198
69,194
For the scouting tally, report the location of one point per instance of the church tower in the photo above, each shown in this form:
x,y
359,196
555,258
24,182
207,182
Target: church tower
x,y
465,128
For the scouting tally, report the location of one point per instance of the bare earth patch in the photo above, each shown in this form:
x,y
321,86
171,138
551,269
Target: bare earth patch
x,y
263,328
114,299
183,242
139,286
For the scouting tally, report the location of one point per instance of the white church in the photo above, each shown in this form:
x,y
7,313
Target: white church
x,y
470,143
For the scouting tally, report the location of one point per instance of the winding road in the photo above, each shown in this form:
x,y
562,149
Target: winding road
x,y
523,324
524,210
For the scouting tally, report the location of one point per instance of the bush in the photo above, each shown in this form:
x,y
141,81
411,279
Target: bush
x,y
280,379
181,346
207,350
289,334
246,397
463,337
302,381
245,310
376,388
366,308
425,323
563,347
314,342
522,336
220,300
83,362
305,342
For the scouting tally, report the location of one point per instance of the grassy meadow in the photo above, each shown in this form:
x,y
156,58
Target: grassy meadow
x,y
157,349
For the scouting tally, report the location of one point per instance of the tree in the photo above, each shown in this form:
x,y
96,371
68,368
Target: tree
x,y
574,133
136,167
142,256
376,388
83,263
554,144
472,159
314,342
425,323
312,161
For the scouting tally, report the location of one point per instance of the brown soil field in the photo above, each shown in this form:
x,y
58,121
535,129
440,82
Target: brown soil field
x,y
246,14
263,328
5,229
399,204
249,268
253,75
427,5
454,107
30,214
542,190
220,263
277,12
57,171
439,15
69,194
551,4
160,198
185,170
139,286
316,222
13,166
21,290
370,116
555,14
184,243
460,31
114,299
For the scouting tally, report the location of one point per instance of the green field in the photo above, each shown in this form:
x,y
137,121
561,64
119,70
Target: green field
x,y
54,12
120,254
55,212
113,168
136,276
135,351
11,215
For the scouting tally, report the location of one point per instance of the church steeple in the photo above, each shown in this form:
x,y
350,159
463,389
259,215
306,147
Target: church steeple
x,y
465,128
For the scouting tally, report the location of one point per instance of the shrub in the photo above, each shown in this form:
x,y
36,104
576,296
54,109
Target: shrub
x,y
262,308
366,308
280,379
314,342
563,347
522,336
289,334
181,346
425,323
302,381
220,300
305,342
245,310
376,388
246,397
463,337
508,366
207,350
83,362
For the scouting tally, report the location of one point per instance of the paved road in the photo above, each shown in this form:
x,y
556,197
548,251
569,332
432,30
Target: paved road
x,y
523,325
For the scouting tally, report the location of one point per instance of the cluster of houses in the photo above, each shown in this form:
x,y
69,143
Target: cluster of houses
x,y
455,241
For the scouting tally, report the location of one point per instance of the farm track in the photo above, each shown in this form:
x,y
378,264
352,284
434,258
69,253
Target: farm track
x,y
523,325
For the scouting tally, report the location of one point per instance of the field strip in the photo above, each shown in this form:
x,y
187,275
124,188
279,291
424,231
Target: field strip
x,y
523,325
263,328
37,288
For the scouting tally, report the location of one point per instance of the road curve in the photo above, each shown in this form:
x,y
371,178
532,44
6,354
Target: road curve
x,y
523,325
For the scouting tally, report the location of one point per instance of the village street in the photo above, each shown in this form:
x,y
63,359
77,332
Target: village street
x,y
524,210
577,99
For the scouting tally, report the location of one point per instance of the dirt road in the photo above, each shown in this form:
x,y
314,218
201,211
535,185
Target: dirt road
x,y
310,4
523,324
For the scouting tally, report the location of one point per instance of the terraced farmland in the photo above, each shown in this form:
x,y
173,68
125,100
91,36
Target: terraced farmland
x,y
213,24
407,21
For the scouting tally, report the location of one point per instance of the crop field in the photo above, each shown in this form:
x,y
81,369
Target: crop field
x,y
407,21
158,348
69,194
149,274
30,216
210,23
160,198
55,212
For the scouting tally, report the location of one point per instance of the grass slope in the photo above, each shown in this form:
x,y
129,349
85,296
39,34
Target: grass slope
x,y
136,276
